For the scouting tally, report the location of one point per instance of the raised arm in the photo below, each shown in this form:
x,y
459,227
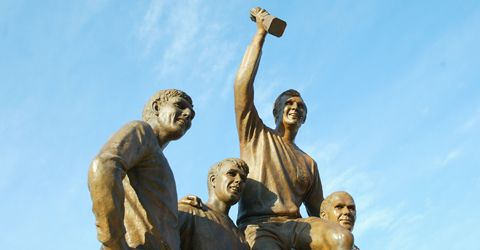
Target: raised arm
x,y
243,87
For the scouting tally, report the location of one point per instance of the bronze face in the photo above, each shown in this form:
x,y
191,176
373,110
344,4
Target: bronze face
x,y
175,117
343,211
293,110
229,183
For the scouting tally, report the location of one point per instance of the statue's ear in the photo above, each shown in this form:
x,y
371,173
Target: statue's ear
x,y
323,215
212,179
304,119
275,115
155,107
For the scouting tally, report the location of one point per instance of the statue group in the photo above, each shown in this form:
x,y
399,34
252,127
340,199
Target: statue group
x,y
134,192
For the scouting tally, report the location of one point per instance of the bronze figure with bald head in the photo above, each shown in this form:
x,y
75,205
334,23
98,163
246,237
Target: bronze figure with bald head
x,y
340,208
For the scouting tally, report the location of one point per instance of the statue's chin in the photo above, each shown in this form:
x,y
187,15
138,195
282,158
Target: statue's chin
x,y
347,225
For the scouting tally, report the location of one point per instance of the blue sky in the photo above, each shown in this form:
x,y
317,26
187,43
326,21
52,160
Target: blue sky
x,y
392,89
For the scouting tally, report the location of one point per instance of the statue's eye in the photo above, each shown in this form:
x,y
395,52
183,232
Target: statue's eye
x,y
180,105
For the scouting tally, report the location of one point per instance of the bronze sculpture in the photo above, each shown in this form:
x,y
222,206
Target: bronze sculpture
x,y
131,184
282,176
209,227
271,24
340,207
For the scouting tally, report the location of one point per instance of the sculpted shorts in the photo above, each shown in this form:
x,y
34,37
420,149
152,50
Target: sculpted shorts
x,y
274,232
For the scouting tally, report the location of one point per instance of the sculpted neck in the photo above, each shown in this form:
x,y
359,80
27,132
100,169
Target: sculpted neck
x,y
218,206
162,137
287,133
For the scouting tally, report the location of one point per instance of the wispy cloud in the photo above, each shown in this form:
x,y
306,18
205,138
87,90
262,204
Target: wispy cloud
x,y
374,213
452,155
150,29
471,123
190,44
324,153
376,219
404,230
265,97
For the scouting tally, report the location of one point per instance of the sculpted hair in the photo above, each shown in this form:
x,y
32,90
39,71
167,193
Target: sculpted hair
x,y
215,168
327,203
162,97
278,102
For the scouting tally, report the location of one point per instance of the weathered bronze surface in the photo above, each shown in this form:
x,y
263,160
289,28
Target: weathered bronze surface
x,y
131,184
340,207
209,227
282,176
